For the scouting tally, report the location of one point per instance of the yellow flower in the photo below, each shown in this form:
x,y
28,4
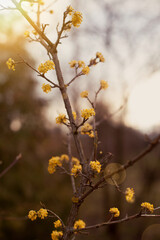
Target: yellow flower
x,y
70,10
26,34
86,113
11,64
55,235
74,115
100,56
79,224
84,94
41,2
57,224
32,215
129,195
42,213
85,70
75,199
76,169
64,157
148,206
87,129
104,84
45,67
95,166
114,211
46,88
53,163
61,119
34,32
81,64
73,63
75,161
51,11
77,19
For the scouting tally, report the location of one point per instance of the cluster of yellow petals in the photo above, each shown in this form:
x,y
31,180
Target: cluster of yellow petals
x,y
87,129
42,213
46,88
79,224
41,2
56,235
129,195
95,166
147,206
100,56
84,94
45,67
77,19
32,215
27,34
85,70
114,211
57,224
104,84
53,163
64,157
77,168
11,64
78,64
87,113
61,119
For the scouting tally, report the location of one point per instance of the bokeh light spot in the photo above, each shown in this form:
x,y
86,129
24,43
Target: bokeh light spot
x,y
117,178
152,232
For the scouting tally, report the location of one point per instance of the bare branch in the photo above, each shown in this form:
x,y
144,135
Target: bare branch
x,y
19,156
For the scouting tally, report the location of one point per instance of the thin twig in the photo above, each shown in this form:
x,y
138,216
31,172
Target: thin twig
x,y
19,156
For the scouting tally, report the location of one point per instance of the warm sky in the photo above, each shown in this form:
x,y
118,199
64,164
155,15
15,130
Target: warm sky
x,y
143,110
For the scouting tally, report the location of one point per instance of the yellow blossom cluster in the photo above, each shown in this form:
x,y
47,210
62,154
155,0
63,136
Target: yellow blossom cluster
x,y
42,213
80,64
84,94
79,224
11,64
41,2
70,10
77,168
87,113
53,163
32,215
46,88
114,211
56,235
57,224
147,206
85,70
61,119
100,56
129,195
104,84
95,166
45,67
87,129
64,157
27,34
